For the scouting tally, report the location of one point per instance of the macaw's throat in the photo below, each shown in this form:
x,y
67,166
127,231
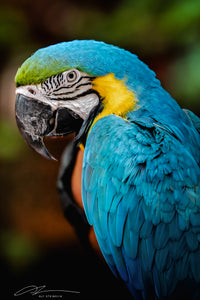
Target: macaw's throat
x,y
36,120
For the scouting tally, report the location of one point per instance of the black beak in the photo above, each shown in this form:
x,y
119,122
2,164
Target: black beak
x,y
36,120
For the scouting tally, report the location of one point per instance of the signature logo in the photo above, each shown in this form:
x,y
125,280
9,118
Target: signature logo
x,y
41,291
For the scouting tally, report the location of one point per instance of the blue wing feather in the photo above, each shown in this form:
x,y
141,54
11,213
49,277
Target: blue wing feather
x,y
182,267
143,199
194,263
130,243
162,259
147,252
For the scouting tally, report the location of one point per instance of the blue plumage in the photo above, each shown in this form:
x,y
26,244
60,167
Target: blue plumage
x,y
158,198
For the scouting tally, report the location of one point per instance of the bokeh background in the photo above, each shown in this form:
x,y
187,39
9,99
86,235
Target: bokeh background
x,y
37,245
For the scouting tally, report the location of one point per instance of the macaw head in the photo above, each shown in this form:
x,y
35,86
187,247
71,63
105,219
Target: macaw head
x,y
67,87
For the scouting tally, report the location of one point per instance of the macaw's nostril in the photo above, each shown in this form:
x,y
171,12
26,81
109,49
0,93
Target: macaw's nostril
x,y
52,121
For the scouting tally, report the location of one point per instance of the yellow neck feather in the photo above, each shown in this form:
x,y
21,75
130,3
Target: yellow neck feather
x,y
117,99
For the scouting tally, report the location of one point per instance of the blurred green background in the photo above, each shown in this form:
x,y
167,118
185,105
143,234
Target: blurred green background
x,y
36,243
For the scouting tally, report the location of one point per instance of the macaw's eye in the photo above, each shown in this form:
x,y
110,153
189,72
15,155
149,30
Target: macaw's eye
x,y
72,76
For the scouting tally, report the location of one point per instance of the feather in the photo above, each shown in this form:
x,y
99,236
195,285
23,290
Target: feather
x,y
159,282
191,240
166,217
136,218
195,120
88,171
174,230
195,219
161,236
155,216
178,248
119,260
120,223
183,222
170,280
103,217
116,221
110,193
147,251
146,230
162,259
194,264
130,242
182,267
134,269
132,199
115,203
88,205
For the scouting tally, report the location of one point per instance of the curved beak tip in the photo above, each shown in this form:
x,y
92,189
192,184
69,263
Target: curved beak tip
x,y
35,142
28,128
39,146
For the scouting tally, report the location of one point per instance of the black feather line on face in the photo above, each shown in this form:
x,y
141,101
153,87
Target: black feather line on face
x,y
52,83
69,86
68,93
74,84
88,92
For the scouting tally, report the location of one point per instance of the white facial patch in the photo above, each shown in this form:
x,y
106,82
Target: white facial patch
x,y
71,89
81,106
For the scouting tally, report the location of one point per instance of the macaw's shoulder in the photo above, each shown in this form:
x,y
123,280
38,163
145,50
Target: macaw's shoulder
x,y
140,189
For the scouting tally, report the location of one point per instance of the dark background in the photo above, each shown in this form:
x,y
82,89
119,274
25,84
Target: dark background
x,y
37,245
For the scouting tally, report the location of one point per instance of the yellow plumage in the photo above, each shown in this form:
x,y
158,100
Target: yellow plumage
x,y
117,99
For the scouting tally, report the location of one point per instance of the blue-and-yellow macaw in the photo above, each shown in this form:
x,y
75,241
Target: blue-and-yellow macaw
x,y
141,165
